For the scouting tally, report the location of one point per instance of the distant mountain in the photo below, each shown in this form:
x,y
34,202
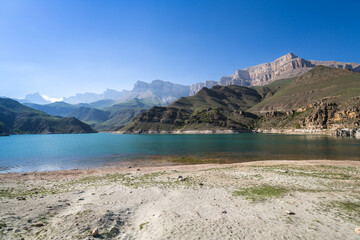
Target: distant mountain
x,y
157,92
102,115
16,118
287,66
35,98
111,118
322,98
94,97
100,104
90,115
61,109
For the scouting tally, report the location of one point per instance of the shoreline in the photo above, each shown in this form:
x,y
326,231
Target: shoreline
x,y
304,199
57,174
336,132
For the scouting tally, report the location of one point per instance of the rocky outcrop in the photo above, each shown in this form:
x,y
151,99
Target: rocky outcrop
x,y
283,67
287,66
198,86
347,132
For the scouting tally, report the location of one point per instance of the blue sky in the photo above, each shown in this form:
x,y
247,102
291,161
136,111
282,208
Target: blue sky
x,y
62,47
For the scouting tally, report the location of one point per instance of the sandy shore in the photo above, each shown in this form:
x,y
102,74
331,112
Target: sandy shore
x,y
255,200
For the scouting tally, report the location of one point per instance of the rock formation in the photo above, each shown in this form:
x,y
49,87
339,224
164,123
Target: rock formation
x,y
287,66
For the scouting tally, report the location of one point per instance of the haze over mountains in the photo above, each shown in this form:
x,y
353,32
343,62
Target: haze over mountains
x,y
160,92
16,118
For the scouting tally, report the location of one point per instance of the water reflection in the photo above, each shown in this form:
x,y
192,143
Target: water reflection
x,y
54,152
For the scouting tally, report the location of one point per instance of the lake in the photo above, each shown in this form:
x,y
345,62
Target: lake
x,y
23,153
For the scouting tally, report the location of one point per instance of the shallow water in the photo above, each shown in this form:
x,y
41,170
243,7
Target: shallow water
x,y
23,153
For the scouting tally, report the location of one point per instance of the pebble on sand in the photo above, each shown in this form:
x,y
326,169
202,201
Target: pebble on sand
x,y
181,178
357,230
39,224
288,212
95,232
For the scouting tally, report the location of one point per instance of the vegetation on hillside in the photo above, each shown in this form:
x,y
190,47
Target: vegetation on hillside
x,y
321,98
16,118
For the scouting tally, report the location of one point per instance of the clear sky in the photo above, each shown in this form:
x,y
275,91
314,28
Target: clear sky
x,y
62,47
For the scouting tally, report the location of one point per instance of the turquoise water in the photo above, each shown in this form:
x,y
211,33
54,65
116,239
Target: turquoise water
x,y
22,153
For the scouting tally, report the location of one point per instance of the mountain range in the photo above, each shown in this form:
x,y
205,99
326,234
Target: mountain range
x,y
278,86
287,66
160,92
16,118
103,115
321,98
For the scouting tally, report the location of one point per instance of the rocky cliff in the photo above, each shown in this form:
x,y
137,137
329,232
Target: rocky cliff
x,y
321,100
287,66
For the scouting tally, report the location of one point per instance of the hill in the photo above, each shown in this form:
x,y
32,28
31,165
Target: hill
x,y
337,85
322,98
61,109
111,118
221,107
16,118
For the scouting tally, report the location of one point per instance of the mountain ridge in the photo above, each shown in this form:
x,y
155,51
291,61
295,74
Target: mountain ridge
x,y
16,118
286,66
161,92
322,98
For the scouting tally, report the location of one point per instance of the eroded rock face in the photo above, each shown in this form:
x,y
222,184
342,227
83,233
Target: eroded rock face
x,y
347,132
286,66
283,67
198,86
323,115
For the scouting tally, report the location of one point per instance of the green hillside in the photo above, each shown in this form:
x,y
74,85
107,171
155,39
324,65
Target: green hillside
x,y
111,118
102,115
336,85
226,97
221,107
322,98
61,109
16,118
90,114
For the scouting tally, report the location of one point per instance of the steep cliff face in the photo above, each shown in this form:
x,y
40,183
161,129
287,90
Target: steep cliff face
x,y
198,86
321,115
287,66
158,92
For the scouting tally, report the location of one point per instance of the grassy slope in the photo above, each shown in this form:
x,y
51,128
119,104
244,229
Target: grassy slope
x,y
103,115
227,97
61,109
112,118
220,107
321,82
16,118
